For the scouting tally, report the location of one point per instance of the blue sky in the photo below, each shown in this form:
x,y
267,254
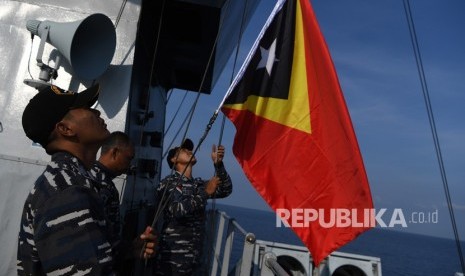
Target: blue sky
x,y
370,45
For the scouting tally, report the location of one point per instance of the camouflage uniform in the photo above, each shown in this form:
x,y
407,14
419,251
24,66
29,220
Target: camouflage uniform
x,y
63,229
122,250
110,196
182,234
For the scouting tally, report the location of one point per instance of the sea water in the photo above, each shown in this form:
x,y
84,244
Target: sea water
x,y
400,253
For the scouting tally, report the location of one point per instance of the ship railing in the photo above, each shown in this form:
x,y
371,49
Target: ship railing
x,y
230,249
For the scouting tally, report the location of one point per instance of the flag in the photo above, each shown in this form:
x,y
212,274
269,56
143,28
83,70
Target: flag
x,y
294,137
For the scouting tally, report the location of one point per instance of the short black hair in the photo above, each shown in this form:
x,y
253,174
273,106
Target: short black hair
x,y
117,138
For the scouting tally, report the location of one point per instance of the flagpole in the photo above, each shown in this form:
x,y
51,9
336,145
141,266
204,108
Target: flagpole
x,y
240,73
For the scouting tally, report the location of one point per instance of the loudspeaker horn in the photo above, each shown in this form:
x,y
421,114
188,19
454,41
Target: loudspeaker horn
x,y
88,44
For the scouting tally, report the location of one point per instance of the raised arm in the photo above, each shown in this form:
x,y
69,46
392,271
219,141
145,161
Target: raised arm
x,y
224,188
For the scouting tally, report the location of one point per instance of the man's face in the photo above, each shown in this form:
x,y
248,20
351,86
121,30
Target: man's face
x,y
123,158
183,157
87,125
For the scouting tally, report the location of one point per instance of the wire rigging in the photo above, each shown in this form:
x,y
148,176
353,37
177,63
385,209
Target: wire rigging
x,y
152,68
176,113
177,133
121,9
212,119
29,60
147,100
223,121
432,123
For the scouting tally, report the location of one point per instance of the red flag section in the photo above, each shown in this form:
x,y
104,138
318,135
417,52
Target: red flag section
x,y
294,139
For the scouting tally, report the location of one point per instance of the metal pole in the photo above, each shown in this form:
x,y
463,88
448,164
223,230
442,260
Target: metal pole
x,y
227,248
218,245
247,254
271,262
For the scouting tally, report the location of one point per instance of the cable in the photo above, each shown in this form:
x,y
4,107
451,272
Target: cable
x,y
177,132
189,120
176,113
121,9
30,54
213,222
432,123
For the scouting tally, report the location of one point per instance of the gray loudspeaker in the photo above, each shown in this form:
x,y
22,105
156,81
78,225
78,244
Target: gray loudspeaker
x,y
88,44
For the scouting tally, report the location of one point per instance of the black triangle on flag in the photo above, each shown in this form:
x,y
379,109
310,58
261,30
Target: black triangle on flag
x,y
269,71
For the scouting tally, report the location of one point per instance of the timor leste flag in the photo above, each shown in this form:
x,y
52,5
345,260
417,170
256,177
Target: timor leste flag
x,y
294,137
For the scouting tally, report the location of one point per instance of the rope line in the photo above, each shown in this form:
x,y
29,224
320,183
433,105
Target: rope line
x,y
432,123
190,116
177,133
176,113
213,222
120,12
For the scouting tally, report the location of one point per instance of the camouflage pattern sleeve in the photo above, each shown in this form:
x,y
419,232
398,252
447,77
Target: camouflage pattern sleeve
x,y
110,197
225,187
69,234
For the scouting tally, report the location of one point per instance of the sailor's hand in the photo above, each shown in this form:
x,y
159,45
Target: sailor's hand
x,y
217,154
150,241
212,184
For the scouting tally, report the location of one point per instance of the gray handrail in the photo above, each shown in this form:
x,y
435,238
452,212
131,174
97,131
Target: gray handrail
x,y
271,262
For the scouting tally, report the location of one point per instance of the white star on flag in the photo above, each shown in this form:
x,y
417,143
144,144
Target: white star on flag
x,y
268,57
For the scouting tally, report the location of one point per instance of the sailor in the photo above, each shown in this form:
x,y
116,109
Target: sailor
x,y
185,198
115,159
63,227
